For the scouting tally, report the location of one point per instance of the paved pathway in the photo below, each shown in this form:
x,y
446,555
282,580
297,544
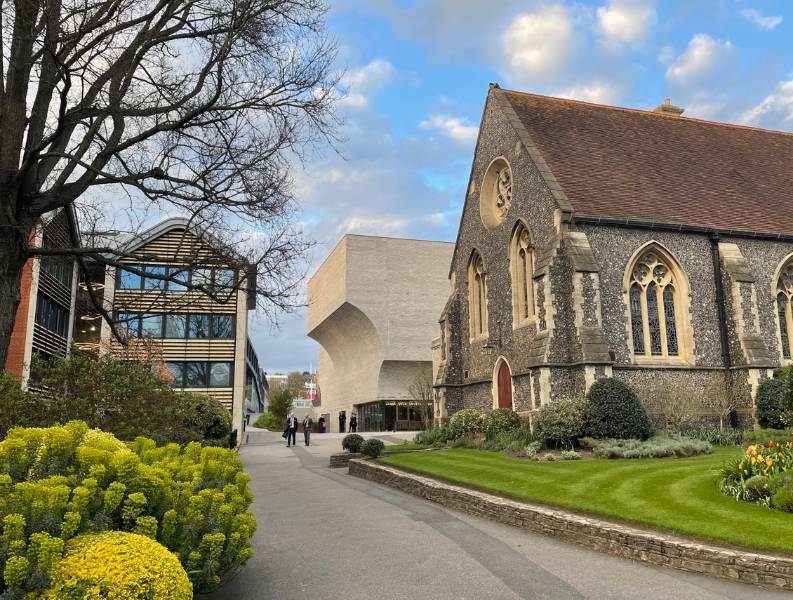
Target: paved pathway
x,y
324,535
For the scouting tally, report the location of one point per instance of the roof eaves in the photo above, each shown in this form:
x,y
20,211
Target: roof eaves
x,y
680,227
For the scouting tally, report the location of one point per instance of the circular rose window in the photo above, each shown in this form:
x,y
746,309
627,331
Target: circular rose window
x,y
495,197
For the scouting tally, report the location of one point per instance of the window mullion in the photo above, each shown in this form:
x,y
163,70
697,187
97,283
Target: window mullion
x,y
659,294
645,322
789,319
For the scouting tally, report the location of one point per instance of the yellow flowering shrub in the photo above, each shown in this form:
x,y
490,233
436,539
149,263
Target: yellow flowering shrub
x,y
118,566
66,481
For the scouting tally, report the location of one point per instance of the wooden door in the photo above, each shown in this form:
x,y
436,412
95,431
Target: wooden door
x,y
504,387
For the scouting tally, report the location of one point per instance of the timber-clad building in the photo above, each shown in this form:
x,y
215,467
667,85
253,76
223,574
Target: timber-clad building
x,y
602,241
200,337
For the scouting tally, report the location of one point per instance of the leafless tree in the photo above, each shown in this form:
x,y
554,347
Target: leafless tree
x,y
172,106
421,390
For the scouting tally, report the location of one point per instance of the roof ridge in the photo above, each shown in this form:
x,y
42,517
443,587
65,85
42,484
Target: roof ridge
x,y
646,112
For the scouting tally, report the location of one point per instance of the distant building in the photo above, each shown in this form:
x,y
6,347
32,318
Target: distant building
x,y
277,382
48,289
201,339
373,306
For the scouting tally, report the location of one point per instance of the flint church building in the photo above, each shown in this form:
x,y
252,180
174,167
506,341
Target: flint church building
x,y
598,241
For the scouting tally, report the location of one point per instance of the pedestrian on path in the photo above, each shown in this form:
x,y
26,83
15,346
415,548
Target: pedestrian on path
x,y
342,421
291,430
307,424
353,423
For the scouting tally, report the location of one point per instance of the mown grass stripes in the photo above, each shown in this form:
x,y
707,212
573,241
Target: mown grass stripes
x,y
676,494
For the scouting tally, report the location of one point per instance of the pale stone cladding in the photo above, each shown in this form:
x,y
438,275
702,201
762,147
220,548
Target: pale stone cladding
x,y
373,306
581,327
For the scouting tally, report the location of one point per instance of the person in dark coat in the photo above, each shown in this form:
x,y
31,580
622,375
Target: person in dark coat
x,y
307,424
353,423
291,429
342,421
321,425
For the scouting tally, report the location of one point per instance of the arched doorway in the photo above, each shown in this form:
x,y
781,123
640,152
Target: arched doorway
x,y
504,386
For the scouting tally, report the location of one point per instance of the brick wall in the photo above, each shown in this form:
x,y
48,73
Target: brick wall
x,y
15,360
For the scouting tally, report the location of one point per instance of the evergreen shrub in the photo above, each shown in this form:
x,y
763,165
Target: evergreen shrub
x,y
500,420
372,448
769,411
614,411
352,442
466,421
560,422
63,481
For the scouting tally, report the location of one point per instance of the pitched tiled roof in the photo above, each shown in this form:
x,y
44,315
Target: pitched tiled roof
x,y
622,164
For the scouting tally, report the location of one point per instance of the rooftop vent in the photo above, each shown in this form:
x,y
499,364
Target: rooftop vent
x,y
667,108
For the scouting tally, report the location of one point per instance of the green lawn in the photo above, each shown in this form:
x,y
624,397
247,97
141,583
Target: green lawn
x,y
679,494
405,447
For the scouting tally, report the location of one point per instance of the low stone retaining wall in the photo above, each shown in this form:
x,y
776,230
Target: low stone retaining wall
x,y
620,540
337,461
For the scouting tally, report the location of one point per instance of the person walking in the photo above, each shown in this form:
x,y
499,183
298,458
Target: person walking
x,y
342,421
353,423
307,423
291,429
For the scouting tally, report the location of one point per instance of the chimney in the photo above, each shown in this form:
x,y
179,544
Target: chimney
x,y
667,108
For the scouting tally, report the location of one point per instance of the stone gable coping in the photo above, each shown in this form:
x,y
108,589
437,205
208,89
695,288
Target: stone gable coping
x,y
623,540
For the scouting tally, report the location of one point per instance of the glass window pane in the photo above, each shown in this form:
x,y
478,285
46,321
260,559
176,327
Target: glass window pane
x,y
781,303
175,326
671,326
222,327
198,328
130,323
224,280
181,276
154,284
129,281
176,369
202,277
220,375
151,326
637,327
195,374
652,317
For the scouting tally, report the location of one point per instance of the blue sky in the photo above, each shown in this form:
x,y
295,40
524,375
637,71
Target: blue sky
x,y
415,78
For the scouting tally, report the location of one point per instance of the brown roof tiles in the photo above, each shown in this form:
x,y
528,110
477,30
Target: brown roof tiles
x,y
623,164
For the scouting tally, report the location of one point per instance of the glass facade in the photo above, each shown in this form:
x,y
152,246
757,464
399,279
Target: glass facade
x,y
391,415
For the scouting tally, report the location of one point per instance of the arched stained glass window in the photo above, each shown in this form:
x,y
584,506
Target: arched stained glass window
x,y
521,265
654,303
477,301
784,287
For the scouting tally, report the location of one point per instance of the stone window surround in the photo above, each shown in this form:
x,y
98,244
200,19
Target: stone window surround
x,y
775,292
522,315
682,303
477,298
496,192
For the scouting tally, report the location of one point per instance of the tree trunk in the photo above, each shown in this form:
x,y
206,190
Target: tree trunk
x,y
13,245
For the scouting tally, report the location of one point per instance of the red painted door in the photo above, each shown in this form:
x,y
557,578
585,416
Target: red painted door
x,y
504,387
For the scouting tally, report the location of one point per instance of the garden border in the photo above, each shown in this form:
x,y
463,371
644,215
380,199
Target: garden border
x,y
665,550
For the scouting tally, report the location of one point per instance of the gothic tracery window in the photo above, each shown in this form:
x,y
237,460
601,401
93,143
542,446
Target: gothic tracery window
x,y
522,267
477,301
784,294
654,300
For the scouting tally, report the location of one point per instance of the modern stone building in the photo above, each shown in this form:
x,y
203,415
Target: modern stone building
x,y
600,241
373,306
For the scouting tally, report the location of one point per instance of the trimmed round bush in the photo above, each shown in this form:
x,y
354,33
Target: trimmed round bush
x,y
500,420
768,403
466,421
118,565
560,422
783,499
352,443
614,411
372,448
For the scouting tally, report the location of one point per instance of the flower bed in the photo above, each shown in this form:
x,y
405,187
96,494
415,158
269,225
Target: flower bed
x,y
764,475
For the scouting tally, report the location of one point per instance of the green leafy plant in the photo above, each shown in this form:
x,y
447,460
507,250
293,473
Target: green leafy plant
x,y
560,422
769,410
500,420
763,436
352,443
514,440
466,421
280,406
613,411
656,447
268,421
436,437
716,435
570,455
123,397
68,480
372,448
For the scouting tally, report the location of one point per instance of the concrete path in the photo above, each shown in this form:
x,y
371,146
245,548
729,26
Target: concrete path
x,y
324,535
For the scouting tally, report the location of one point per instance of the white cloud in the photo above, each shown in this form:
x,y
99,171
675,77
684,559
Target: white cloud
x,y
626,21
361,83
775,109
666,55
454,128
538,45
702,59
599,92
755,17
